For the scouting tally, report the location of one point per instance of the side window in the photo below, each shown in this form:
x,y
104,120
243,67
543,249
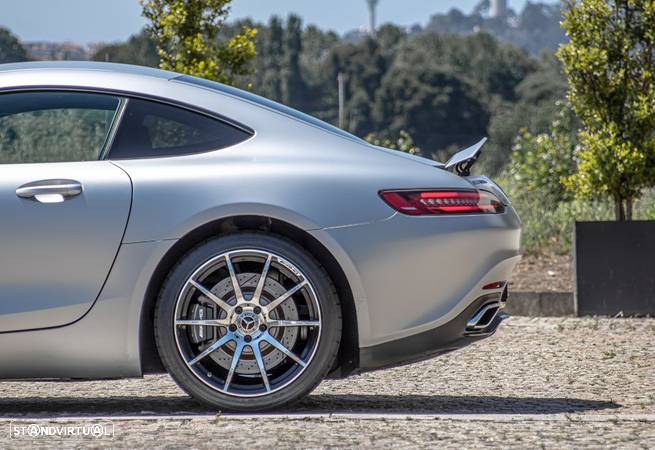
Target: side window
x,y
41,127
150,129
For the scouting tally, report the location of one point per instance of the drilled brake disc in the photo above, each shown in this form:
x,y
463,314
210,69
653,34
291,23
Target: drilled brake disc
x,y
272,357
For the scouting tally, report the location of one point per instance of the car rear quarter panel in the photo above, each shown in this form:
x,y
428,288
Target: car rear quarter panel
x,y
317,182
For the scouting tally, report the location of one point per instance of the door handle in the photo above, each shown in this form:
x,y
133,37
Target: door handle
x,y
50,191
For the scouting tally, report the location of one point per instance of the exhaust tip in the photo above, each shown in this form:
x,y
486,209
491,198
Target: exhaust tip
x,y
483,317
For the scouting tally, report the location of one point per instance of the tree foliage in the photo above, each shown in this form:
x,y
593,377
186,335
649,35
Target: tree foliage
x,y
11,49
363,65
140,49
272,54
610,66
288,64
434,105
293,84
444,90
541,162
403,142
535,107
186,33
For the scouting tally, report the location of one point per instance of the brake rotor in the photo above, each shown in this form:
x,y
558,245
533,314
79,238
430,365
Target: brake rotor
x,y
287,335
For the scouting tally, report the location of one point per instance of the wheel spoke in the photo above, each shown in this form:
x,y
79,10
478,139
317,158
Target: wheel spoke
x,y
235,361
278,345
262,280
260,362
215,346
293,323
278,301
235,282
204,323
211,296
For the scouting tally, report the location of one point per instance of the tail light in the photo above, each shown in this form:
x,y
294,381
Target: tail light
x,y
435,202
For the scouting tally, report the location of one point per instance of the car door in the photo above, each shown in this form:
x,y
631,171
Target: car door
x,y
63,211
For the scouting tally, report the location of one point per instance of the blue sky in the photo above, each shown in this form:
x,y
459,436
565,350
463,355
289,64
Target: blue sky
x,y
85,21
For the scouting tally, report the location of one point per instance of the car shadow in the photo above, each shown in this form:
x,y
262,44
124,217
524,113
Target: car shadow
x,y
61,407
450,404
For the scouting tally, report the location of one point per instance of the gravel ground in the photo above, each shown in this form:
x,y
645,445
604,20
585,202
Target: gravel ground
x,y
553,383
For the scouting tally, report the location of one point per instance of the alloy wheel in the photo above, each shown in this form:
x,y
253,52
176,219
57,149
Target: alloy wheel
x,y
247,322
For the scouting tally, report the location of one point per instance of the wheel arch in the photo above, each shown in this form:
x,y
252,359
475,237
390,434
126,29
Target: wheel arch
x,y
347,359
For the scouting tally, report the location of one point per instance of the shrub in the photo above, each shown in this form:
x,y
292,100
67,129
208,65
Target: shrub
x,y
540,163
403,142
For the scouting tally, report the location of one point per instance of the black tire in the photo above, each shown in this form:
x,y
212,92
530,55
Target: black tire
x,y
324,354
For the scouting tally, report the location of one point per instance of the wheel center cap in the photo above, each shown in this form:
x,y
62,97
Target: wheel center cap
x,y
247,322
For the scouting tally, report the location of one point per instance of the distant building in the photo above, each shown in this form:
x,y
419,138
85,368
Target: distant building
x,y
498,8
372,6
56,51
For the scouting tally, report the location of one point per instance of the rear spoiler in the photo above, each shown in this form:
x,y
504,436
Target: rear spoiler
x,y
464,160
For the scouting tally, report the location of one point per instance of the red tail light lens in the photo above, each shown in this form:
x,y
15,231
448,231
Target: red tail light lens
x,y
420,203
494,285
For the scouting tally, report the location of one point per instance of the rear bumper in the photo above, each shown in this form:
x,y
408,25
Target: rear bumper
x,y
411,275
454,335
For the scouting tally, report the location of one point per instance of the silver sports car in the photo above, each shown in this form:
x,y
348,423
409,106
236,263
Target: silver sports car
x,y
154,222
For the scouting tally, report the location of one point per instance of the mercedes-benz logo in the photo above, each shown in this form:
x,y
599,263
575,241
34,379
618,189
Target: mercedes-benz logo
x,y
248,322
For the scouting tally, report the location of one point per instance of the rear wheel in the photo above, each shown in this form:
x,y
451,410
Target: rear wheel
x,y
248,321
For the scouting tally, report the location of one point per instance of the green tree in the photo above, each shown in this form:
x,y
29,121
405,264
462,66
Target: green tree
x,y
316,45
610,65
538,95
273,52
139,49
363,66
293,84
187,35
11,49
439,108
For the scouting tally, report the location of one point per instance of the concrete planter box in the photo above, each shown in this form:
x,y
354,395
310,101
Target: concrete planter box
x,y
540,304
615,268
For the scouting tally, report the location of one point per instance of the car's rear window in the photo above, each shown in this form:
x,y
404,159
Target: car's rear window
x,y
261,101
151,129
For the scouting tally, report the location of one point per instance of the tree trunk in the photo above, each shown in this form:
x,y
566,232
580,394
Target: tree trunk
x,y
619,211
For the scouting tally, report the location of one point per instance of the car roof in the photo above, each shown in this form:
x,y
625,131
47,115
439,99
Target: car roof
x,y
109,69
89,65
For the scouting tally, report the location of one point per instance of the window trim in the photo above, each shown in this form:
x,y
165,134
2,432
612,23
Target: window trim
x,y
113,129
126,95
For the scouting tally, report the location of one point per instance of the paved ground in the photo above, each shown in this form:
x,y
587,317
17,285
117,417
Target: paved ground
x,y
546,383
